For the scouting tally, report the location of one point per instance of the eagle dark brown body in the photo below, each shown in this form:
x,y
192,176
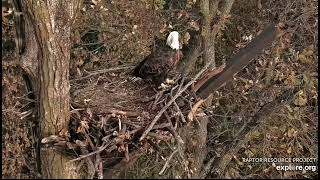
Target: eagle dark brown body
x,y
158,65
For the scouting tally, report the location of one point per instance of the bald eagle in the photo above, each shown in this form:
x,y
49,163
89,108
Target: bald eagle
x,y
157,66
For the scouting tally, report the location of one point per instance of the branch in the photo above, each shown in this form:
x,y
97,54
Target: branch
x,y
100,149
167,162
205,11
211,73
213,7
209,35
206,32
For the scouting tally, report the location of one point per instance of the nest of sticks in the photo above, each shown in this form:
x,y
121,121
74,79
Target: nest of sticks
x,y
115,117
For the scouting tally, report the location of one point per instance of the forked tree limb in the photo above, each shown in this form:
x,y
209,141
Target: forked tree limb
x,y
208,10
205,40
213,4
224,15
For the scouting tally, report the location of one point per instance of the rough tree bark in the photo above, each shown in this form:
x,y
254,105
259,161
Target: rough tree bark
x,y
209,31
48,25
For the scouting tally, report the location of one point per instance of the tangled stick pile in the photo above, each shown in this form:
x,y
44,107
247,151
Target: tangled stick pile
x,y
110,119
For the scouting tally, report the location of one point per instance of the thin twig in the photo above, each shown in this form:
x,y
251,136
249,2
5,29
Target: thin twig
x,y
126,153
175,103
26,113
103,71
99,166
157,98
176,135
154,145
134,131
124,113
181,83
100,149
167,162
160,126
158,136
181,146
180,112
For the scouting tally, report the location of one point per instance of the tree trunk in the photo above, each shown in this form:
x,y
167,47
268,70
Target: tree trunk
x,y
51,22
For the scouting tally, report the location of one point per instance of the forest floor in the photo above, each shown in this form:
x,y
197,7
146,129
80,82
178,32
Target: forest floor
x,y
247,119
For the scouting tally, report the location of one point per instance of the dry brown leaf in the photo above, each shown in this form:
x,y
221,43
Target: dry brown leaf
x,y
186,38
289,150
301,99
292,79
95,59
292,133
306,56
195,25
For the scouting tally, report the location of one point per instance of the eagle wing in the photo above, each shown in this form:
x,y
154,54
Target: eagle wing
x,y
157,65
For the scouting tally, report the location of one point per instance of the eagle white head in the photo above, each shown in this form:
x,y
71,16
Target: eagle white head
x,y
173,40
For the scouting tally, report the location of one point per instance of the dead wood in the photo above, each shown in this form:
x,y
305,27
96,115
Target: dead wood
x,y
167,162
124,113
100,149
194,110
207,76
